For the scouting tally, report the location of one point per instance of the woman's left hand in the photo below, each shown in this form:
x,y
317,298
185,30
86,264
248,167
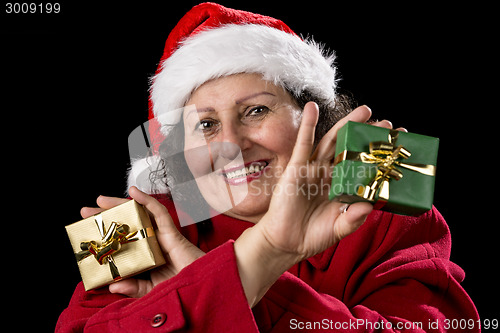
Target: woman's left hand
x,y
300,222
304,222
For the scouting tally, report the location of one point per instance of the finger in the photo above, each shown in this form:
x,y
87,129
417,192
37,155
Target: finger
x,y
326,147
89,211
387,124
131,287
160,213
110,202
351,218
305,138
383,123
360,114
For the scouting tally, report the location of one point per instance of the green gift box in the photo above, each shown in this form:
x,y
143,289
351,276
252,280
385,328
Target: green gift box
x,y
392,169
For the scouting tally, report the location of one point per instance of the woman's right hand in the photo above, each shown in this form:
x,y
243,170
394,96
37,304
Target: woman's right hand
x,y
178,251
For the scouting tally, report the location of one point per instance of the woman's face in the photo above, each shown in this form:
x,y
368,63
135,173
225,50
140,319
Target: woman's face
x,y
239,135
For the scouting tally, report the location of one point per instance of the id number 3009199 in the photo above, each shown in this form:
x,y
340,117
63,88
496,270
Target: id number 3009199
x,y
32,8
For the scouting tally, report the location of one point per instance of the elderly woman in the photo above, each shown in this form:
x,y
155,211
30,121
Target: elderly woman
x,y
254,112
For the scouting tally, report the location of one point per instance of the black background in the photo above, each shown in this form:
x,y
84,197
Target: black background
x,y
74,85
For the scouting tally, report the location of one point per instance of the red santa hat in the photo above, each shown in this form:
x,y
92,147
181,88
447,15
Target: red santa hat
x,y
213,41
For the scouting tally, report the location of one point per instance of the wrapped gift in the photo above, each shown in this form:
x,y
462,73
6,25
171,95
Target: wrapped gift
x,y
392,169
115,244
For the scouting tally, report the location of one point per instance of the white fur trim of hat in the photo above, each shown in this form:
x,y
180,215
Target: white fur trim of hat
x,y
282,58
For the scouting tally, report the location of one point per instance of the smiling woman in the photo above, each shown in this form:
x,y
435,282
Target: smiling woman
x,y
249,116
243,140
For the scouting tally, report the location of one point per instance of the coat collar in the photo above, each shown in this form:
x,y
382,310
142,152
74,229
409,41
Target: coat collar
x,y
221,228
225,227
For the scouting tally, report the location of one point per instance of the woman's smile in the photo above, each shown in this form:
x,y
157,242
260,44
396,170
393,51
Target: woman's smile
x,y
244,173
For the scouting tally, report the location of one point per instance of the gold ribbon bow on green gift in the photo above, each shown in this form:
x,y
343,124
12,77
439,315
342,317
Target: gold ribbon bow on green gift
x,y
111,242
385,155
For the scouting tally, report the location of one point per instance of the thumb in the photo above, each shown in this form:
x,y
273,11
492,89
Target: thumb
x,y
131,287
305,137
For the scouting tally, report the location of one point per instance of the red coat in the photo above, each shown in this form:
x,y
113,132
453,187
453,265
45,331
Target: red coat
x,y
395,270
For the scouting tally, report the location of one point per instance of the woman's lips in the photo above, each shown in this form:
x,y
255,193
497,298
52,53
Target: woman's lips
x,y
244,173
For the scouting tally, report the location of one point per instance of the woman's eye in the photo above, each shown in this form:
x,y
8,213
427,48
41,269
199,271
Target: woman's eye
x,y
258,110
205,125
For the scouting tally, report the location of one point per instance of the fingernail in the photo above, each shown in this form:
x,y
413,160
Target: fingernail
x,y
390,123
344,208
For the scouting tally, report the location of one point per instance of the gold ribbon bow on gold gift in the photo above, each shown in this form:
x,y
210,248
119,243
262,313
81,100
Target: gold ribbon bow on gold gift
x,y
111,242
385,155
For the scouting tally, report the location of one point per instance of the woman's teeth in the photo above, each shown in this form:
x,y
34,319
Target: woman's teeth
x,y
245,171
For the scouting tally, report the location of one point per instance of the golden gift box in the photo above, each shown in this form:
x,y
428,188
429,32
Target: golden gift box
x,y
114,244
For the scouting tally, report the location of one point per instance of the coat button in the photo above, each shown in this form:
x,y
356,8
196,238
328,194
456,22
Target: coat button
x,y
158,320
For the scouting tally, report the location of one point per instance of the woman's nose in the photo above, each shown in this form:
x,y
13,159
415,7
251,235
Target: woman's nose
x,y
230,143
227,150
234,139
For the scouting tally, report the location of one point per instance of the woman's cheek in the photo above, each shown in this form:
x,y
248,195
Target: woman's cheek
x,y
280,137
198,160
